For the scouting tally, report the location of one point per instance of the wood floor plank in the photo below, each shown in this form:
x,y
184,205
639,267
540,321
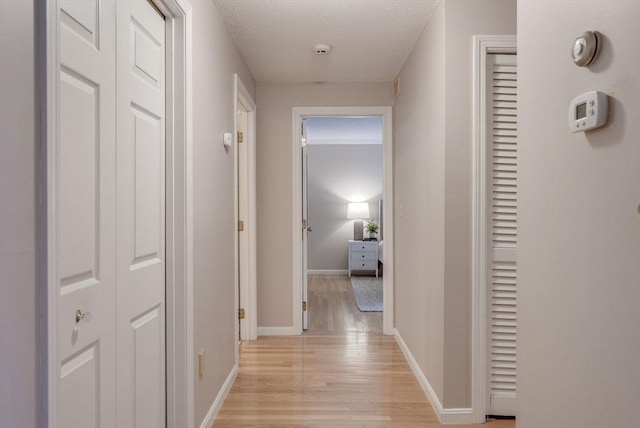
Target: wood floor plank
x,y
343,374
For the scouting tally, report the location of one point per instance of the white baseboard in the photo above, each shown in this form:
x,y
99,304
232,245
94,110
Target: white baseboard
x,y
277,331
462,416
217,403
328,271
445,416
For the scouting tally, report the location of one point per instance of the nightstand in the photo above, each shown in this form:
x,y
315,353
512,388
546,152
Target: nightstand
x,y
363,256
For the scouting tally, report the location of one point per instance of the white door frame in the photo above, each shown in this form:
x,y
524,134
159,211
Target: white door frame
x,y
387,179
482,47
179,208
247,287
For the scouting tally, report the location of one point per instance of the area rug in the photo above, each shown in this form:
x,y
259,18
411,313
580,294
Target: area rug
x,y
368,293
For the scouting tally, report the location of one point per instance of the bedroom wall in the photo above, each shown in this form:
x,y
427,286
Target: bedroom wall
x,y
338,174
274,176
19,383
579,221
433,154
215,60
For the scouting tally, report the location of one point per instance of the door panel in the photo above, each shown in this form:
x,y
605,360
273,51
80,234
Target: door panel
x,y
80,372
148,337
83,204
140,215
84,19
79,206
147,143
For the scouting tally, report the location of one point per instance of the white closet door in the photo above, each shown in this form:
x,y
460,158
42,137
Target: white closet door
x,y
503,238
140,241
83,221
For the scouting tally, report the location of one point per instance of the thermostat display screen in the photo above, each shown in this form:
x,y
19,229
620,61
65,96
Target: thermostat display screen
x,y
581,111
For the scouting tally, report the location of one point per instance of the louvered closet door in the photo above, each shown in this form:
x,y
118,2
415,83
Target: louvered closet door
x,y
504,227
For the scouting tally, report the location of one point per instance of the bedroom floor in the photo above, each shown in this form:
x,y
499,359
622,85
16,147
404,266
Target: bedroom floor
x,y
332,308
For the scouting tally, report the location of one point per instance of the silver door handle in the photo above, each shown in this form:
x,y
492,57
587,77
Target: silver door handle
x,y
80,316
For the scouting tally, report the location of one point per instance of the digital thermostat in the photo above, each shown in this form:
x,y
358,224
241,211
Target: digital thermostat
x,y
588,111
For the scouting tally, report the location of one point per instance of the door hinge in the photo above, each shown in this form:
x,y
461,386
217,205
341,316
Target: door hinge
x,y
304,306
304,224
240,225
240,137
241,313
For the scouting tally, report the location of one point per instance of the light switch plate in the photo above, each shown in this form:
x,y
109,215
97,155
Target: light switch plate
x,y
227,139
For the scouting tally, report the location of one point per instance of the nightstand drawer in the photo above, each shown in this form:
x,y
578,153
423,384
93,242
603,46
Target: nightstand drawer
x,y
363,256
363,246
355,265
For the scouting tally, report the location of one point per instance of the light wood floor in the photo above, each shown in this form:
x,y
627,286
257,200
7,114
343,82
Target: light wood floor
x,y
332,307
336,379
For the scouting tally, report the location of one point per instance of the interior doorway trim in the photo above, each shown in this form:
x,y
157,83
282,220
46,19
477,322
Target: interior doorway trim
x,y
247,288
482,47
179,209
387,179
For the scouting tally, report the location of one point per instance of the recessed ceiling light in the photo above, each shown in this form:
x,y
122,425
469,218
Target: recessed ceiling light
x,y
322,49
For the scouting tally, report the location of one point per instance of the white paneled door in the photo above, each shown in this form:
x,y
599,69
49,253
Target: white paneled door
x,y
84,212
107,215
140,255
502,269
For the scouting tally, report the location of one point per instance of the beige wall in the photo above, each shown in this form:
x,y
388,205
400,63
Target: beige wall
x,y
433,191
463,20
338,173
18,147
274,175
419,152
579,225
215,60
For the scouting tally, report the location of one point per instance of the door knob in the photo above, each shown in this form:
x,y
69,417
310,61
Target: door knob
x,y
80,316
309,229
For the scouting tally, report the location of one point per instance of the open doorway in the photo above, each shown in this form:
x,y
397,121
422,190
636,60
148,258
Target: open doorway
x,y
342,182
322,244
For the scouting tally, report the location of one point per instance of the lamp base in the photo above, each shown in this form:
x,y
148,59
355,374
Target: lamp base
x,y
357,230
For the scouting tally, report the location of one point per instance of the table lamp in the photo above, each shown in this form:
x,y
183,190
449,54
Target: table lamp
x,y
358,211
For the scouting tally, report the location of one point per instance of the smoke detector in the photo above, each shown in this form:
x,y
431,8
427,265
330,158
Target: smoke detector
x,y
321,49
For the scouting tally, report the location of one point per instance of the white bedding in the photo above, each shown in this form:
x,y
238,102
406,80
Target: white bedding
x,y
380,248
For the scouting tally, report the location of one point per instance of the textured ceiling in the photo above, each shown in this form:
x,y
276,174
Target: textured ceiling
x,y
370,38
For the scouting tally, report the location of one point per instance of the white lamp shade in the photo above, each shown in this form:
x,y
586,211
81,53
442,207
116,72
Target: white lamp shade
x,y
358,210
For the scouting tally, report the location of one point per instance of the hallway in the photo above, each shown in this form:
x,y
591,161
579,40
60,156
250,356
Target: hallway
x,y
341,373
348,380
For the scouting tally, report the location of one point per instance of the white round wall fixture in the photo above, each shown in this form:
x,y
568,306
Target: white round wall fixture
x,y
321,49
585,48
